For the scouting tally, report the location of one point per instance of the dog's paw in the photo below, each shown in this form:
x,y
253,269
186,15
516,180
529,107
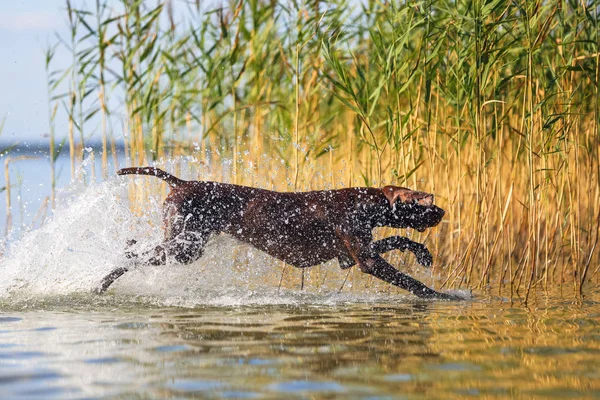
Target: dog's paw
x,y
424,257
98,290
128,245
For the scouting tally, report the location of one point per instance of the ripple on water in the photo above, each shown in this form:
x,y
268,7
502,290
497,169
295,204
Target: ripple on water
x,y
172,349
195,386
22,355
307,386
39,384
399,378
9,319
132,326
103,360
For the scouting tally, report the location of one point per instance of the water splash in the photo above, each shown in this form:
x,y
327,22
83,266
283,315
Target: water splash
x,y
70,251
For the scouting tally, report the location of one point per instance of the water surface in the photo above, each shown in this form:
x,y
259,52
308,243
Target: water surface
x,y
118,348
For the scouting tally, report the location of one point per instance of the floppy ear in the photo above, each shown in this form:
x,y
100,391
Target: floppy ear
x,y
393,193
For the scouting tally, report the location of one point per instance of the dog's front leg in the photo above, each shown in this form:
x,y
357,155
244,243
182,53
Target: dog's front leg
x,y
379,268
371,263
401,243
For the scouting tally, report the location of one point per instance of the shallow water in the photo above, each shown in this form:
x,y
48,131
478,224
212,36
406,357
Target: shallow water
x,y
118,348
235,324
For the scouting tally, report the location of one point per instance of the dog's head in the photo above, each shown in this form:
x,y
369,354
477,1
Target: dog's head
x,y
410,209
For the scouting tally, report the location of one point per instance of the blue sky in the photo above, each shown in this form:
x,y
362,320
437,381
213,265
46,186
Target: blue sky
x,y
26,27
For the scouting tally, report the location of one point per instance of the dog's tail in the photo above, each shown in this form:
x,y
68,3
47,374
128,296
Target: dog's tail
x,y
159,173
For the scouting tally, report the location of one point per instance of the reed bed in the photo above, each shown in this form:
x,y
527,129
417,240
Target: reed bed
x,y
491,105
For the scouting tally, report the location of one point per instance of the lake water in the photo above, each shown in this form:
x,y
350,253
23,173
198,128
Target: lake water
x,y
83,347
236,324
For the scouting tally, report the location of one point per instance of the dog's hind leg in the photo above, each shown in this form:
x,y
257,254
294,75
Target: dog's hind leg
x,y
187,246
401,243
186,232
109,279
184,251
117,272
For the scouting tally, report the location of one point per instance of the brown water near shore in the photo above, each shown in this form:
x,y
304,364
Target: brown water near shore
x,y
394,348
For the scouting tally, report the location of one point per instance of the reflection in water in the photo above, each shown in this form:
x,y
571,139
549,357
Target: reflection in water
x,y
420,350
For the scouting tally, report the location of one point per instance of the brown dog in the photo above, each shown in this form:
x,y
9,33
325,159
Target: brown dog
x,y
302,229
